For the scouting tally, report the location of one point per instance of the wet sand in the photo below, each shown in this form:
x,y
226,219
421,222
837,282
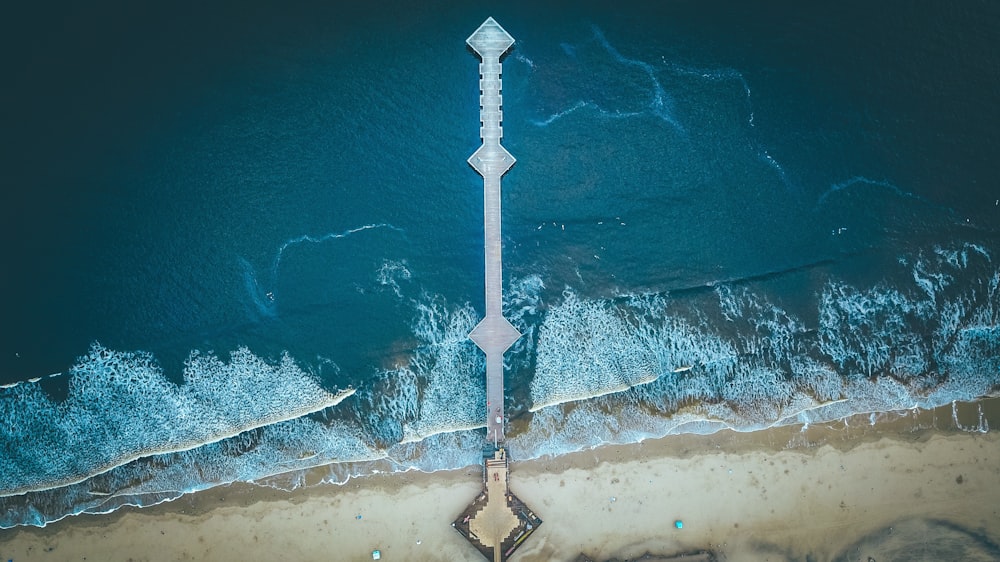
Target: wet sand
x,y
912,485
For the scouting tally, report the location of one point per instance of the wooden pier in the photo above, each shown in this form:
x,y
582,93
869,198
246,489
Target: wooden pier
x,y
496,522
494,334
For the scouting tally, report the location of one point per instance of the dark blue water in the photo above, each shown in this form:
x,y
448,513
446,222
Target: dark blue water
x,y
721,216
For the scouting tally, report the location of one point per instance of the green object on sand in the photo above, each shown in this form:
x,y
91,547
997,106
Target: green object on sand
x,y
679,524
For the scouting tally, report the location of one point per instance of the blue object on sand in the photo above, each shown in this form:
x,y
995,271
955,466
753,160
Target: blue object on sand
x,y
679,524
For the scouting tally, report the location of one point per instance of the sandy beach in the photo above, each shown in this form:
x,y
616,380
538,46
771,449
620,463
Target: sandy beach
x,y
843,491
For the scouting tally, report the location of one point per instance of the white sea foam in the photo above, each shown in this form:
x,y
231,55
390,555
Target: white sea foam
x,y
521,58
857,182
660,103
450,366
439,388
263,296
875,349
120,407
615,419
523,308
586,349
260,454
869,332
747,365
560,114
982,424
306,238
391,273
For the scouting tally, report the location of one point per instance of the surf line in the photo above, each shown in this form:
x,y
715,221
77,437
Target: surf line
x,y
497,522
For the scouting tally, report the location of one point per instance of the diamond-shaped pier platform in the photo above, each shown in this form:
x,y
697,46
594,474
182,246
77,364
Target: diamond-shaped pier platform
x,y
488,160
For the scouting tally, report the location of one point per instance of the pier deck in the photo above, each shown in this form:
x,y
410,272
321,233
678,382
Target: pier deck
x,y
494,334
496,523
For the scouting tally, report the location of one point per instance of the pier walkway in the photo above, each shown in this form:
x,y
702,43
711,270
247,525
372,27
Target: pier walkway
x,y
494,334
496,523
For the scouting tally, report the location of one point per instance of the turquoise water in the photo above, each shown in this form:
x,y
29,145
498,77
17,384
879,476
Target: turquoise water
x,y
721,216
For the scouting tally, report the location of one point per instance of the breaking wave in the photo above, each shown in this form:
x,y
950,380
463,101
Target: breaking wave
x,y
592,348
127,436
439,388
599,371
291,445
745,363
120,407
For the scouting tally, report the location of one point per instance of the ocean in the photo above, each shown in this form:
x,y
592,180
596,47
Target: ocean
x,y
243,241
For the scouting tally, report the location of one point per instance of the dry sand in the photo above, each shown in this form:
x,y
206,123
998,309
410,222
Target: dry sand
x,y
830,493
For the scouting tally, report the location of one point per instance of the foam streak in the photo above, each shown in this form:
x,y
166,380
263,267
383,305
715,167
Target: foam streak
x,y
121,407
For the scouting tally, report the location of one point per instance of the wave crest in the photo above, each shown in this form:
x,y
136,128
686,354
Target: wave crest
x,y
121,407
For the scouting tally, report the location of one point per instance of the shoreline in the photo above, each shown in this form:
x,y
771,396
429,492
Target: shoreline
x,y
781,493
